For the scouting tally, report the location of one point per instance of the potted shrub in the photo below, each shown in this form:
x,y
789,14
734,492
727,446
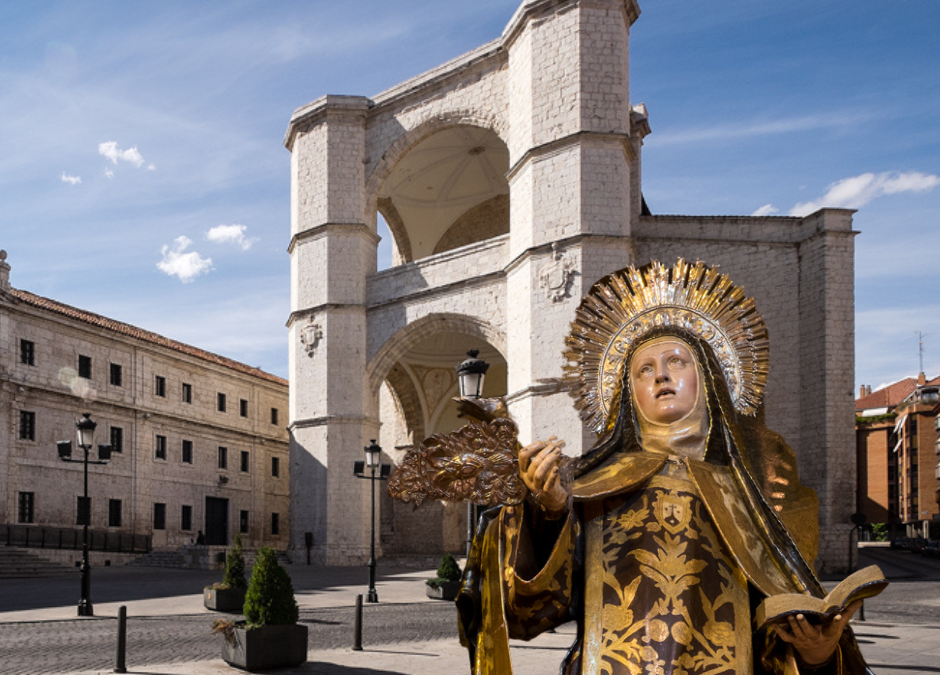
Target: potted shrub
x,y
270,636
447,582
229,595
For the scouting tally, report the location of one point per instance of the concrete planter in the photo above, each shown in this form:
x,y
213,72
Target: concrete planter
x,y
446,591
266,647
224,599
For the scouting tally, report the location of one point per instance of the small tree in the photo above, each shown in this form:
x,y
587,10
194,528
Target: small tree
x,y
270,598
448,570
235,566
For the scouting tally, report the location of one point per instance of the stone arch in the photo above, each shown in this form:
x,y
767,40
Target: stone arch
x,y
412,334
409,400
400,147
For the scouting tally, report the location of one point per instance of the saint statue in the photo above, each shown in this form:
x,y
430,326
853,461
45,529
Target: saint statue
x,y
663,538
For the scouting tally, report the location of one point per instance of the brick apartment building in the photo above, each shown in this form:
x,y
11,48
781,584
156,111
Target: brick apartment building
x,y
897,453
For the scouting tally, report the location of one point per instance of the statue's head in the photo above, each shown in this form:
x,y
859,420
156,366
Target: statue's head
x,y
624,310
665,380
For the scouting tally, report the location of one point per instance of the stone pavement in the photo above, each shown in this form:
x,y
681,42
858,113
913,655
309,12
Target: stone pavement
x,y
891,647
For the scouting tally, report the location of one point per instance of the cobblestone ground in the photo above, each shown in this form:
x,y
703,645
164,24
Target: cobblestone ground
x,y
89,644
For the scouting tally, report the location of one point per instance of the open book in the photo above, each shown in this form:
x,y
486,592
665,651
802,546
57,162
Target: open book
x,y
865,583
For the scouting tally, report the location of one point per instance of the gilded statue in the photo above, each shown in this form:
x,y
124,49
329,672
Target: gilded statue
x,y
660,541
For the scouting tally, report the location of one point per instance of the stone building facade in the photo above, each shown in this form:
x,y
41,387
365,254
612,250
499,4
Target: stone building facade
x,y
510,181
199,442
898,456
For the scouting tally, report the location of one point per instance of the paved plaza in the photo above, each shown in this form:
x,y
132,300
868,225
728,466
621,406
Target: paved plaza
x,y
169,630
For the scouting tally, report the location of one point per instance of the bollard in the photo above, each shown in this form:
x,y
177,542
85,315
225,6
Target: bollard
x,y
120,666
357,636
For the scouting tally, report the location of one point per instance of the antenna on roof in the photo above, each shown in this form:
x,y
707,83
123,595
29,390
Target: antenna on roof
x,y
920,349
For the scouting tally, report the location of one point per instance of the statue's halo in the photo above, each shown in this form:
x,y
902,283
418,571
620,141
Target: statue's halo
x,y
623,307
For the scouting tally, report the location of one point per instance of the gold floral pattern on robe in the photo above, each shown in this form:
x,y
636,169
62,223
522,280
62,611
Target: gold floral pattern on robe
x,y
662,594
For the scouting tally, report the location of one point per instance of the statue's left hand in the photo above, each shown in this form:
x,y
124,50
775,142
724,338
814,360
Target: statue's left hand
x,y
816,644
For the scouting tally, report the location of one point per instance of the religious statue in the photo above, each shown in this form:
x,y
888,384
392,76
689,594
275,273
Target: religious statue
x,y
662,540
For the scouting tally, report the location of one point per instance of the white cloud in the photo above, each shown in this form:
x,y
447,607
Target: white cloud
x,y
110,150
235,234
855,192
108,173
765,210
178,263
739,130
71,180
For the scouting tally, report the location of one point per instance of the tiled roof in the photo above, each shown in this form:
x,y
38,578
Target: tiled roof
x,y
887,397
139,333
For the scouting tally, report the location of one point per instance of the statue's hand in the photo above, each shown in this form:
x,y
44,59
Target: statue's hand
x,y
539,469
816,644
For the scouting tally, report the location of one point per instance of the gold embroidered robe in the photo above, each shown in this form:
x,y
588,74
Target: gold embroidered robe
x,y
657,571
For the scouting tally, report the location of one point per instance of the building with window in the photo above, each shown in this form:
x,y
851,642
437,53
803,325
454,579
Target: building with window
x,y
160,404
898,456
510,181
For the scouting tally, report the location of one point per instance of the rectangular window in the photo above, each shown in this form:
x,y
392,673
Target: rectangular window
x,y
116,375
27,353
273,415
186,518
159,386
187,455
243,408
27,501
187,393
114,513
160,448
244,465
27,425
220,401
84,366
243,522
83,512
159,516
275,523
223,457
117,439
275,467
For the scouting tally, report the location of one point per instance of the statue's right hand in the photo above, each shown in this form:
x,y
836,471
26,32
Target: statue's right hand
x,y
539,464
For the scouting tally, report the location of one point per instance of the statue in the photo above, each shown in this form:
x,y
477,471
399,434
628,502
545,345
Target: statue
x,y
660,541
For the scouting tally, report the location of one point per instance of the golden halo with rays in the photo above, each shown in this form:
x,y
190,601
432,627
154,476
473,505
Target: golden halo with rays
x,y
624,306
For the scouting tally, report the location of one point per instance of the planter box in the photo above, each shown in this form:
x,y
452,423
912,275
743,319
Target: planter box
x,y
266,647
224,599
447,591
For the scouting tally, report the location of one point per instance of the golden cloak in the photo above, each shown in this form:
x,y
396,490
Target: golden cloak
x,y
660,573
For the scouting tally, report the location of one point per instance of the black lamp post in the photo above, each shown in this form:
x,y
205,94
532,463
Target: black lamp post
x,y
373,458
85,432
470,375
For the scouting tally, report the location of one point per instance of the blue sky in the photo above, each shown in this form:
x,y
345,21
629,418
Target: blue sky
x,y
143,176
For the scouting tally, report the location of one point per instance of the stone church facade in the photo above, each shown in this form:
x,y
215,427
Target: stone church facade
x,y
510,180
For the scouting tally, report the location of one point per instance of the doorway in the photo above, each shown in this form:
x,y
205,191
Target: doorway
x,y
216,521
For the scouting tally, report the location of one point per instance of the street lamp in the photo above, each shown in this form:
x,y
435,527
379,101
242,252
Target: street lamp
x,y
85,433
373,459
470,375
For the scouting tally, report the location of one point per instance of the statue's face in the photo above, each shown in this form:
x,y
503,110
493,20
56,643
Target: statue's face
x,y
664,379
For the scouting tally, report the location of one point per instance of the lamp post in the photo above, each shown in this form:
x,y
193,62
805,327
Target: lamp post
x,y
470,375
373,458
85,433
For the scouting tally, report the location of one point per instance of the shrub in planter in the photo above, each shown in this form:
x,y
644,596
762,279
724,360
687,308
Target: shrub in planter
x,y
229,596
270,636
447,582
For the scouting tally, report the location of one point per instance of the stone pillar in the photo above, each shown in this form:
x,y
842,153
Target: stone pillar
x,y
571,158
332,250
827,377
